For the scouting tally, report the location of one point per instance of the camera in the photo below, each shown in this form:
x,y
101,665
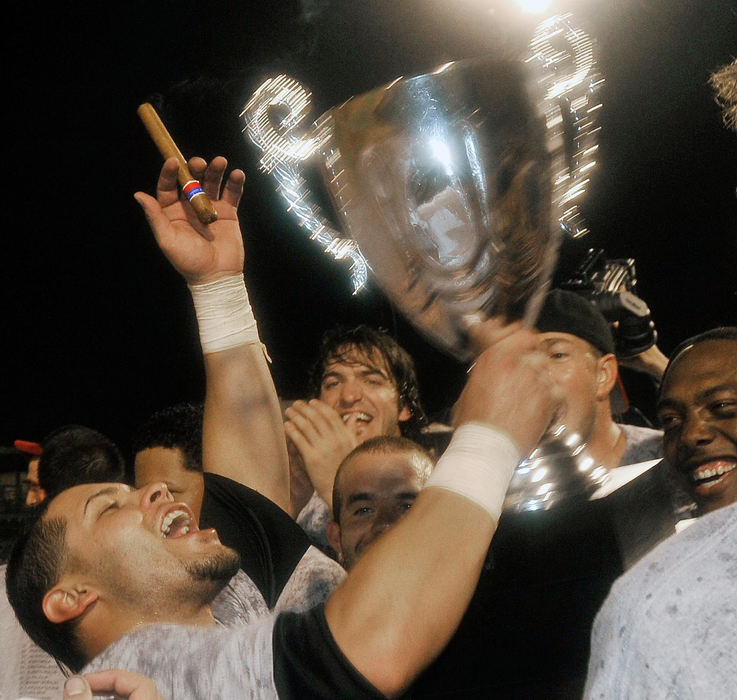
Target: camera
x,y
611,286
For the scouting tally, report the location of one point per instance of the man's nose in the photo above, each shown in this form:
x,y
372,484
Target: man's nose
x,y
154,493
351,391
384,519
696,431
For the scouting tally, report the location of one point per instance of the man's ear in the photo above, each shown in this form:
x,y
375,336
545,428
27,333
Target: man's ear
x,y
66,602
404,413
334,538
608,372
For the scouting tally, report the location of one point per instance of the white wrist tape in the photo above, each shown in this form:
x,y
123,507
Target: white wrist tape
x,y
224,314
478,464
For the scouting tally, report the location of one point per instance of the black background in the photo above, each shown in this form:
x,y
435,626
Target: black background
x,y
98,329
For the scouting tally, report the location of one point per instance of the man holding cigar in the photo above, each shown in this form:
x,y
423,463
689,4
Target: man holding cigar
x,y
129,577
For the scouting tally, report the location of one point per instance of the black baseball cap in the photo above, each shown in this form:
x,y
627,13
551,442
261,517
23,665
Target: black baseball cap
x,y
568,312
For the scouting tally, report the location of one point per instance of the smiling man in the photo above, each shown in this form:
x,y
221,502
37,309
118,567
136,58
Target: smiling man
x,y
280,570
365,386
698,411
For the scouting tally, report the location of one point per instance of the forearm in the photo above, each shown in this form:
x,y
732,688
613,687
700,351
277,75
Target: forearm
x,y
651,362
243,436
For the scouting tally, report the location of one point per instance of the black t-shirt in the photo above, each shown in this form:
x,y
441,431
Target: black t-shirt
x,y
308,663
268,540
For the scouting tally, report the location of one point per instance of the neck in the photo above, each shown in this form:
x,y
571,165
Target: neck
x,y
102,626
607,441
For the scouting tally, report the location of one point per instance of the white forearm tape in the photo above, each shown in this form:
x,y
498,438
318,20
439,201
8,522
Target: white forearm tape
x,y
478,464
224,315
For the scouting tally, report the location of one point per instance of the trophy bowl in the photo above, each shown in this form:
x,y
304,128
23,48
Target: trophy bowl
x,y
443,181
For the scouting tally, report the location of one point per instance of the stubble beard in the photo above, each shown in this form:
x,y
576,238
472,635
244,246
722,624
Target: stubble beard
x,y
212,574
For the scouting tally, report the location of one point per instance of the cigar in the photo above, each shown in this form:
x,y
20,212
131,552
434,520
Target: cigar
x,y
165,143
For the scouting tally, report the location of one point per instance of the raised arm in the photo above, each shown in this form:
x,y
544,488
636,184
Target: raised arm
x,y
243,436
408,592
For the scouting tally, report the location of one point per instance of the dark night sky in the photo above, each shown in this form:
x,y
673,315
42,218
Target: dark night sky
x,y
98,328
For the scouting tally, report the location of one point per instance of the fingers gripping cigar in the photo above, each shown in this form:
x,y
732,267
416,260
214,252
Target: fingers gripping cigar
x,y
192,189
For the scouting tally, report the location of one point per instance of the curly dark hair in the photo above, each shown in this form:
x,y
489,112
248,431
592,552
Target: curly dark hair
x,y
340,343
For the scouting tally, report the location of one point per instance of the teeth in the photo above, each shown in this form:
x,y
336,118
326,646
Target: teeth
x,y
359,416
169,519
708,473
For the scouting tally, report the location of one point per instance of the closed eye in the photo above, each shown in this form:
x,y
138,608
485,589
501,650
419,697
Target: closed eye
x,y
108,508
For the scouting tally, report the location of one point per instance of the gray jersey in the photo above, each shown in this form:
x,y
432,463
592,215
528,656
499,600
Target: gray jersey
x,y
668,628
197,663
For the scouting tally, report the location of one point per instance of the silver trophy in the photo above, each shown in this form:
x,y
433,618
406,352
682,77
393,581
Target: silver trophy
x,y
453,187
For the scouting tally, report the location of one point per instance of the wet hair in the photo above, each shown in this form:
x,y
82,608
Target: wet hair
x,y
720,333
75,454
38,560
383,444
178,426
339,344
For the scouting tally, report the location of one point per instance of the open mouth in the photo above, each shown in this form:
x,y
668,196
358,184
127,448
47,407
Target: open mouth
x,y
712,471
358,417
177,523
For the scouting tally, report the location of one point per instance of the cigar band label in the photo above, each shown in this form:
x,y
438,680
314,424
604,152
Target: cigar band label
x,y
192,189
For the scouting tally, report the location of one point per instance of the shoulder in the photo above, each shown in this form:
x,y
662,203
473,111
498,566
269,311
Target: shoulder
x,y
308,664
196,662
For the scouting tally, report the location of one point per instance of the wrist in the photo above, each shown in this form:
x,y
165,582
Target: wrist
x,y
478,465
224,315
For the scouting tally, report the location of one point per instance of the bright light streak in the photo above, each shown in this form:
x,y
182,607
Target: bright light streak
x,y
284,146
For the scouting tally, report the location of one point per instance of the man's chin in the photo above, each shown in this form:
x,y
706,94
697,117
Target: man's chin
x,y
214,570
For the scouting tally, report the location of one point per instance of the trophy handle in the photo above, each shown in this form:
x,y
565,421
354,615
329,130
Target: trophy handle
x,y
274,119
562,56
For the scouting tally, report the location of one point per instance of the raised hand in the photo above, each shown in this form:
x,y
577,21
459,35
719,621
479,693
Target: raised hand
x,y
510,387
322,439
198,252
